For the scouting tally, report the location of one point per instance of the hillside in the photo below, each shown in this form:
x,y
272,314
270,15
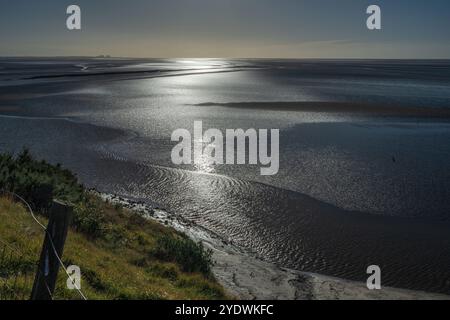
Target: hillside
x,y
121,254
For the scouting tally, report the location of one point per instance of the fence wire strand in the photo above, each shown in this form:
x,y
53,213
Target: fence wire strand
x,y
30,210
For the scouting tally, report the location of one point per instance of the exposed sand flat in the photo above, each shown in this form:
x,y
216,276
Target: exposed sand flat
x,y
338,107
247,277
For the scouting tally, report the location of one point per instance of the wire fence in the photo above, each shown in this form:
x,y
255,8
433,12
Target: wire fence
x,y
19,270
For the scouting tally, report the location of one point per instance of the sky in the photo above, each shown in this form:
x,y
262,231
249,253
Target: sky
x,y
226,29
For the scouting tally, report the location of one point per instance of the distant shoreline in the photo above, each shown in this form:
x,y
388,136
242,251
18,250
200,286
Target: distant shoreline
x,y
108,57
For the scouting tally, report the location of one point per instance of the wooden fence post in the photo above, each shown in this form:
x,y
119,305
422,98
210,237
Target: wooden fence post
x,y
58,225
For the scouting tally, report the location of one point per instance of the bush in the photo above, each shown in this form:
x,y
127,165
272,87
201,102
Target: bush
x,y
36,191
88,218
38,182
190,255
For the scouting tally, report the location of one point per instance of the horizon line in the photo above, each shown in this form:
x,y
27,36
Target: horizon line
x,y
200,58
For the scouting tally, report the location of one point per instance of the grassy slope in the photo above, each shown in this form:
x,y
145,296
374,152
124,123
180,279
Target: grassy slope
x,y
121,254
123,269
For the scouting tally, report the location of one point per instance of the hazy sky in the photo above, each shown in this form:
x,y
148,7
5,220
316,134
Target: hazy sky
x,y
227,28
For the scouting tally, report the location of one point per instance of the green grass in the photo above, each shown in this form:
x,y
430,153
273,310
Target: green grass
x,y
121,254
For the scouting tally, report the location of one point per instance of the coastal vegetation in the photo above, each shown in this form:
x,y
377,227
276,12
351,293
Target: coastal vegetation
x,y
121,254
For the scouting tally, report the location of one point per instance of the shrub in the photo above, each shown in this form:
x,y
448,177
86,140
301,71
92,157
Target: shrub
x,y
38,182
88,218
190,255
